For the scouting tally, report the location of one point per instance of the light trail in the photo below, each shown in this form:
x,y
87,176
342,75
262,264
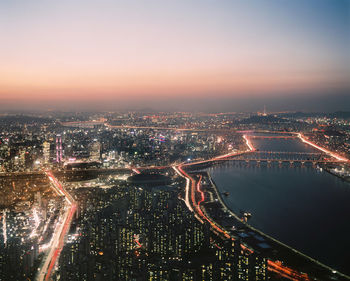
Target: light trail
x,y
4,230
187,188
273,266
37,223
336,156
136,171
199,190
189,180
60,232
193,195
60,245
44,230
221,157
49,244
58,241
137,240
248,143
286,272
191,184
224,156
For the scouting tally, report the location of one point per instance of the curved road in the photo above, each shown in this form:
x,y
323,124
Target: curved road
x,y
193,186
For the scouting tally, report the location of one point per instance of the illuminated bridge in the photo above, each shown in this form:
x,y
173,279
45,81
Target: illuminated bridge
x,y
274,137
282,156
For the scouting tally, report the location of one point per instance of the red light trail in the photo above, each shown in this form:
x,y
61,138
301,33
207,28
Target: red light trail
x,y
274,266
192,186
136,171
336,156
62,230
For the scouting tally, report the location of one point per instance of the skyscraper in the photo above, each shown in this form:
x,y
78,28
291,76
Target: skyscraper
x,y
46,152
59,149
95,151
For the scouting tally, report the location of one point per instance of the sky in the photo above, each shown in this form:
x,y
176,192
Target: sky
x,y
210,55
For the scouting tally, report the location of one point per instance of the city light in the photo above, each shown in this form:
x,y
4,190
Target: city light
x,y
248,143
322,149
174,140
101,181
4,229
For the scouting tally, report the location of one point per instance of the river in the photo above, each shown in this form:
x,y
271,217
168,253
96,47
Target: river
x,y
301,206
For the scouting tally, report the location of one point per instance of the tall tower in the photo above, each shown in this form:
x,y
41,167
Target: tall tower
x,y
264,114
59,150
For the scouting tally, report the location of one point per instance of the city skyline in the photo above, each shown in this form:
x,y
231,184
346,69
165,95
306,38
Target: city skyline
x,y
193,140
174,196
175,55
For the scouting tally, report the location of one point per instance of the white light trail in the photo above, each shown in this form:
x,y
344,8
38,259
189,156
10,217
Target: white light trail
x,y
187,188
57,242
37,223
303,139
248,143
4,230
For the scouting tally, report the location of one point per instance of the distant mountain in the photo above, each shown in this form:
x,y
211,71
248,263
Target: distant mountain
x,y
300,114
263,119
340,114
337,114
24,119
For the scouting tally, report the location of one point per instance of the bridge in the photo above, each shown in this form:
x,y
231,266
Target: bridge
x,y
273,137
284,157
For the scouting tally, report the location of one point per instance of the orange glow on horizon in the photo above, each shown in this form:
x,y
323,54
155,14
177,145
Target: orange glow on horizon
x,y
94,86
108,51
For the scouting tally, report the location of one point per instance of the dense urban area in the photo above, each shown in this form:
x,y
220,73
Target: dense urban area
x,y
123,195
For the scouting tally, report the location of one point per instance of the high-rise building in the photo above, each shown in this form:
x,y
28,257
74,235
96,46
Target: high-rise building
x,y
46,152
59,149
95,151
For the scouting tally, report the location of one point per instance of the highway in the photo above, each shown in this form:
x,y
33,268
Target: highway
x,y
248,143
193,186
336,156
61,230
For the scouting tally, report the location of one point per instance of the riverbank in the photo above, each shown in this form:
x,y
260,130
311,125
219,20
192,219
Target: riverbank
x,y
257,241
333,173
213,209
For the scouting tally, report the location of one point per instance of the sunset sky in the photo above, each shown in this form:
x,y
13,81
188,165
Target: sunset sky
x,y
108,54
